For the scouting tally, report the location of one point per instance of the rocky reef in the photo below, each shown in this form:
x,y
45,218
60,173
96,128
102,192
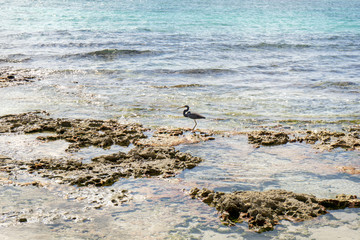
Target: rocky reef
x,y
153,155
264,210
141,161
79,133
322,140
106,170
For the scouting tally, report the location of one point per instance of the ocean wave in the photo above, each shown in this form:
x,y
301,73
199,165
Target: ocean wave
x,y
302,69
88,71
279,45
110,54
196,71
337,84
181,86
265,45
343,38
72,45
8,60
15,58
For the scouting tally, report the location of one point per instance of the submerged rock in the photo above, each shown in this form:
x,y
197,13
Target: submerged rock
x,y
95,197
12,77
350,170
40,214
264,210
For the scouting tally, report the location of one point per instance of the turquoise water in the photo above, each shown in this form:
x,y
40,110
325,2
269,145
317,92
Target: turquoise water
x,y
242,64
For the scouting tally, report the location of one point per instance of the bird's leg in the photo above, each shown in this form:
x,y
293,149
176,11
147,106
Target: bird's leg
x,y
195,124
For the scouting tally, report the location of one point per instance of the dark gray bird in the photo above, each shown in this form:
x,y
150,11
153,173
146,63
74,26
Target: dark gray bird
x,y
191,115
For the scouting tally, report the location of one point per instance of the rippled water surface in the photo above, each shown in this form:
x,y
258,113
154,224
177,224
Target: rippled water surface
x,y
238,62
242,64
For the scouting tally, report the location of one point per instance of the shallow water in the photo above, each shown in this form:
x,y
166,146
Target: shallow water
x,y
161,208
243,64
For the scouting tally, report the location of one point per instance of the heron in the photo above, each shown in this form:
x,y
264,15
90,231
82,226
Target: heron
x,y
191,115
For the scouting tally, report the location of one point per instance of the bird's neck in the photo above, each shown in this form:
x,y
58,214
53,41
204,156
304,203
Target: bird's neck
x,y
185,113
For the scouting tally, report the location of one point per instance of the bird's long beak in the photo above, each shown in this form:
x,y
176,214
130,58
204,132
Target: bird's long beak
x,y
181,107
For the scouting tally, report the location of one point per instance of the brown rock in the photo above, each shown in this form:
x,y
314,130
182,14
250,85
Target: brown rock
x,y
106,170
267,138
322,140
349,169
165,137
79,132
264,210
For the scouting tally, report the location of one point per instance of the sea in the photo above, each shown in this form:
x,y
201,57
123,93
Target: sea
x,y
244,64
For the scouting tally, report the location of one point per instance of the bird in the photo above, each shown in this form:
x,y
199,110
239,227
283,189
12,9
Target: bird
x,y
191,115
